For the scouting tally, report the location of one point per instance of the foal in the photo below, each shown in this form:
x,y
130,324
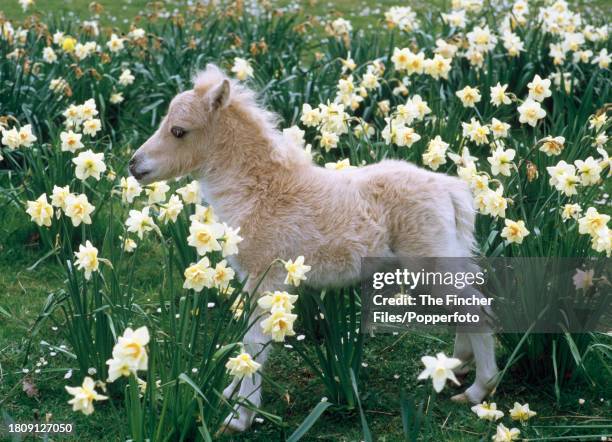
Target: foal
x,y
286,206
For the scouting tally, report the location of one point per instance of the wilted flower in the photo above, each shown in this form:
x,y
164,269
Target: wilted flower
x,y
504,434
521,412
487,411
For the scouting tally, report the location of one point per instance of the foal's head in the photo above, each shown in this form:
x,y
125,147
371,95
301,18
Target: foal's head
x,y
179,146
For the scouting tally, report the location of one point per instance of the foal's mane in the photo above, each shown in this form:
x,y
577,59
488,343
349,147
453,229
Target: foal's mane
x,y
284,150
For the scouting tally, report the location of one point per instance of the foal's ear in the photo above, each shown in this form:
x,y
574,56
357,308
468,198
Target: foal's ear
x,y
219,96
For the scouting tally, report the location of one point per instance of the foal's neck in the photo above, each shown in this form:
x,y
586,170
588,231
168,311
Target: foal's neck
x,y
248,161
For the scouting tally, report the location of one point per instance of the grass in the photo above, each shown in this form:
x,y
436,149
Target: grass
x,y
391,365
392,362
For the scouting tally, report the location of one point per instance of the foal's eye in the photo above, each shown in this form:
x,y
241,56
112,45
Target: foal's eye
x,y
178,132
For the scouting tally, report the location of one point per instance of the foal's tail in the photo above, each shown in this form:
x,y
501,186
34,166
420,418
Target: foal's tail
x,y
465,215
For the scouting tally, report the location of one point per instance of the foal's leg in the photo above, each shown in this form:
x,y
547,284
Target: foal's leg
x,y
486,369
463,351
255,343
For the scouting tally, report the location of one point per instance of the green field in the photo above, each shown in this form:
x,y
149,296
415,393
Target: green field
x,y
391,363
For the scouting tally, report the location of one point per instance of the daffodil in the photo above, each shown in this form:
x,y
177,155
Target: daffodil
x,y
570,211
530,112
552,145
59,196
129,353
190,193
242,69
92,127
140,222
223,275
439,369
171,209
469,96
84,396
277,300
87,259
40,210
278,325
515,231
126,78
340,165
89,164
71,141
199,275
503,434
78,209
157,192
230,240
539,88
501,161
589,171
242,365
205,237
296,271
521,412
592,222
498,95
26,137
130,189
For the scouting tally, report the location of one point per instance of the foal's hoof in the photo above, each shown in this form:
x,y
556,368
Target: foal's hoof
x,y
227,430
460,398
474,394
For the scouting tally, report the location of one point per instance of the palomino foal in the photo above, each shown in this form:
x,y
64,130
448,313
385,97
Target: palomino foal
x,y
287,206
